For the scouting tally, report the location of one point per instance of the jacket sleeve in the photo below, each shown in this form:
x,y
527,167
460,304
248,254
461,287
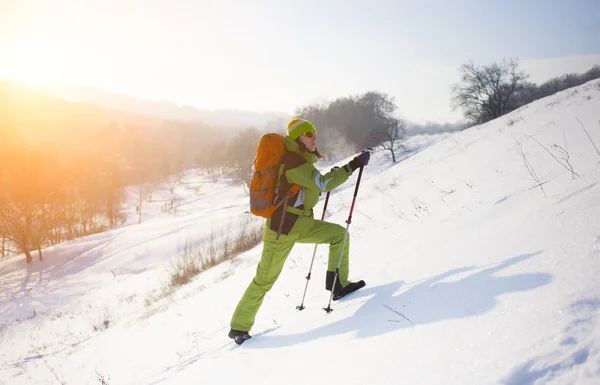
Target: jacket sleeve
x,y
309,177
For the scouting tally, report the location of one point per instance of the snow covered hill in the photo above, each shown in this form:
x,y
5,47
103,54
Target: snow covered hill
x,y
481,255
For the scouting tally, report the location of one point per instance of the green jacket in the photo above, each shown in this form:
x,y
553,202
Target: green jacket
x,y
298,168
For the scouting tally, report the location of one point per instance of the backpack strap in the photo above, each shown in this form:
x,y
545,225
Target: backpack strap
x,y
288,161
293,190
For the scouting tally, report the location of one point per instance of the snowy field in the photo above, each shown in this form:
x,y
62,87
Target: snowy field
x,y
480,250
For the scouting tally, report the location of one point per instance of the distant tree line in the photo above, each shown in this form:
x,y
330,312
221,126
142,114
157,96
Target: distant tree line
x,y
349,124
64,168
487,92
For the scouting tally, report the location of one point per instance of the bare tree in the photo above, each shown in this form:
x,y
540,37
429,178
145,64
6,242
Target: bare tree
x,y
3,245
114,193
59,219
140,205
4,241
376,118
26,191
393,132
360,119
146,166
488,92
90,200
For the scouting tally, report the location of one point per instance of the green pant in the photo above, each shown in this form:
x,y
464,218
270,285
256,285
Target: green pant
x,y
274,255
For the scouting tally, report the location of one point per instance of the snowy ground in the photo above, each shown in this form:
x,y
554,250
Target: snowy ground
x,y
475,275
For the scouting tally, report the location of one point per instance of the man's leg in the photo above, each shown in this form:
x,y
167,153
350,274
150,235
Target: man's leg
x,y
274,255
332,234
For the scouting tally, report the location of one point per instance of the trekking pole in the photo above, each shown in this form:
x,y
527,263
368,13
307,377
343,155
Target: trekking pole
x,y
301,306
328,309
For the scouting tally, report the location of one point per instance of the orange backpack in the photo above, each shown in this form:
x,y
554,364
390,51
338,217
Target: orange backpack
x,y
265,175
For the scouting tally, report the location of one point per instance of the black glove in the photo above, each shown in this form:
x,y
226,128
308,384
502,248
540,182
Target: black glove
x,y
360,160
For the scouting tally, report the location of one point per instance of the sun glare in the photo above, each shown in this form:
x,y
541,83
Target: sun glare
x,y
29,73
30,66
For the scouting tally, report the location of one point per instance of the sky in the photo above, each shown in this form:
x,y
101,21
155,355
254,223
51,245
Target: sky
x,y
475,274
271,55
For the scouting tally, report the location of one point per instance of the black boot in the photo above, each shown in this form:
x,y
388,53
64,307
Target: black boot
x,y
352,286
239,336
340,291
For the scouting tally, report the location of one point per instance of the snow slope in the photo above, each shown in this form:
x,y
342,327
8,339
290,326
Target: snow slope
x,y
481,255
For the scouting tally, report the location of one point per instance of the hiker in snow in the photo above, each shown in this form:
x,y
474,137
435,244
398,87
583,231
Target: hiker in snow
x,y
293,222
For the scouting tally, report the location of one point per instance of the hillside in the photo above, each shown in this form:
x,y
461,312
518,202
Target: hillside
x,y
31,113
224,118
480,249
